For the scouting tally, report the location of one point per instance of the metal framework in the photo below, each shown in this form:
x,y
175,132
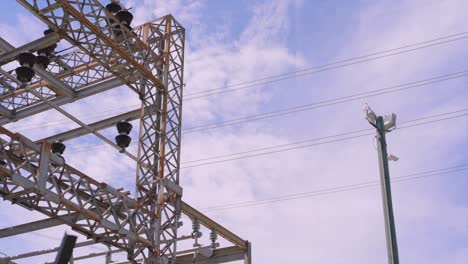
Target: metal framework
x,y
149,59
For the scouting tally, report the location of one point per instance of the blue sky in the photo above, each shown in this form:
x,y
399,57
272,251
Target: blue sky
x,y
230,42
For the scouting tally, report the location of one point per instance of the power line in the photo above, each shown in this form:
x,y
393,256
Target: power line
x,y
317,105
335,135
310,106
304,71
90,147
338,189
310,145
345,60
306,107
316,71
325,103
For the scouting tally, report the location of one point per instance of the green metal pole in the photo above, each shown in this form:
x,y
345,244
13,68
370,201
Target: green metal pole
x,y
390,231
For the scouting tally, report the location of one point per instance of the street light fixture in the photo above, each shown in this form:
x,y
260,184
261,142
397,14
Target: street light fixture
x,y
384,124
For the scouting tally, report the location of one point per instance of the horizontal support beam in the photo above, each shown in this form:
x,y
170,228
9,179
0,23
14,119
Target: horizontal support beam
x,y
10,53
36,225
186,209
106,123
54,83
44,252
7,113
222,255
52,250
209,223
83,93
92,255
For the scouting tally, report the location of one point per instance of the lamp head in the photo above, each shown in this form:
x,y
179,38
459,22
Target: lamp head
x,y
390,121
393,157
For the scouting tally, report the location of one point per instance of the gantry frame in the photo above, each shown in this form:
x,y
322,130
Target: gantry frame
x,y
149,60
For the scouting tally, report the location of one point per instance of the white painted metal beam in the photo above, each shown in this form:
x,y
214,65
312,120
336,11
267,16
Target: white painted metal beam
x,y
222,255
103,124
10,53
43,170
206,221
36,225
61,100
54,83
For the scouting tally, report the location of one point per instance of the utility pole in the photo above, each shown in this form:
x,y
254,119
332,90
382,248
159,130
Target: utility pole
x,y
384,125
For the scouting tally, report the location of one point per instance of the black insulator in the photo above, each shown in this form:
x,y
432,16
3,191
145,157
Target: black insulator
x,y
43,61
117,28
47,51
58,148
27,59
125,17
119,33
24,74
113,7
124,128
48,31
123,141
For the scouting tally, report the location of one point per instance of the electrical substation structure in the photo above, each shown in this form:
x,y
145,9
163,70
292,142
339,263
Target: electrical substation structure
x,y
106,52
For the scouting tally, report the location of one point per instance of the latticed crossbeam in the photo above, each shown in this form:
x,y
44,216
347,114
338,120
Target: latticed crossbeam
x,y
40,180
94,209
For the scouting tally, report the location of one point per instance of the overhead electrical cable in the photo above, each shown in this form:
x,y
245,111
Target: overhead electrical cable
x,y
294,147
325,103
446,39
334,138
306,73
338,189
312,106
88,147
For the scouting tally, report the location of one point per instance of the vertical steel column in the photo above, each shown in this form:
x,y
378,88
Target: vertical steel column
x,y
43,168
390,232
109,256
159,144
248,254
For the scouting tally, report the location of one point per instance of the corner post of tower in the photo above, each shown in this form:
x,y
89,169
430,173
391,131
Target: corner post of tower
x,y
248,253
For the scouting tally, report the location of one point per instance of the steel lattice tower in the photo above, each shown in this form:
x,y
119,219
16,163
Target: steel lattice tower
x,y
148,59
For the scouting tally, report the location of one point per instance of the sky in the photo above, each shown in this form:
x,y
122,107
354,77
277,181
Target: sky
x,y
233,44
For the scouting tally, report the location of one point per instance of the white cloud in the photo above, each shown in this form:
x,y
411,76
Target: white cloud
x,y
340,228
